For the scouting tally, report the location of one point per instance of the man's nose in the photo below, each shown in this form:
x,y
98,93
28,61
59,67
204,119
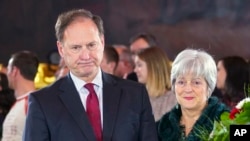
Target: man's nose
x,y
85,54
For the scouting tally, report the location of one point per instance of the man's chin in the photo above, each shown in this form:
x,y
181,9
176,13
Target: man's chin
x,y
87,73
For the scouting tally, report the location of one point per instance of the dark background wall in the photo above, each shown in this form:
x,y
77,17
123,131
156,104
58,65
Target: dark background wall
x,y
219,26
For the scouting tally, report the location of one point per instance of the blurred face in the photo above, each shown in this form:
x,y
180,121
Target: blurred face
x,y
191,92
221,75
106,66
124,66
121,68
82,49
138,45
141,70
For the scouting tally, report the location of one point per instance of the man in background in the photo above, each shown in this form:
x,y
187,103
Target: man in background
x,y
21,71
110,59
141,41
126,63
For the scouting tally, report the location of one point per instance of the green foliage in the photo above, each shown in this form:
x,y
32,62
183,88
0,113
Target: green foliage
x,y
244,116
221,129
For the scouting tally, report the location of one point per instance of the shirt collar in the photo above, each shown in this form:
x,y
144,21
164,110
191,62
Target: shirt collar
x,y
23,96
80,83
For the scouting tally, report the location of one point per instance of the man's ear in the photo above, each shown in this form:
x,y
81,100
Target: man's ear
x,y
15,71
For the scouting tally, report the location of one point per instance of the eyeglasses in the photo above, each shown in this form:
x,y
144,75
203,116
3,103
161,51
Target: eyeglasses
x,y
193,83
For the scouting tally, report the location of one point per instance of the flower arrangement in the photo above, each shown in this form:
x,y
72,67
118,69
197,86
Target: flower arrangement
x,y
239,115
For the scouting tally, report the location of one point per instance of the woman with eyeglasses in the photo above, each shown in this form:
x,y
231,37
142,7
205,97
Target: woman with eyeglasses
x,y
193,79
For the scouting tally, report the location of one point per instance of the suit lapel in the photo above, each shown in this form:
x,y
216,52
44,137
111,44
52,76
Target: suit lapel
x,y
71,100
111,98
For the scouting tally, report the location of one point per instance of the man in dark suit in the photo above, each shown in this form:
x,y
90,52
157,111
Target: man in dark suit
x,y
113,109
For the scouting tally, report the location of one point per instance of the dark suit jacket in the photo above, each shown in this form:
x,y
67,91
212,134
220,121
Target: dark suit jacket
x,y
56,113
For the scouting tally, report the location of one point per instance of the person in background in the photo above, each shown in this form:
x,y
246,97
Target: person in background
x,y
141,41
21,71
126,63
88,104
110,59
152,68
138,42
232,79
193,79
7,99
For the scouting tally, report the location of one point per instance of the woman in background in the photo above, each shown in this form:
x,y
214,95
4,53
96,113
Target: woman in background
x,y
152,68
232,78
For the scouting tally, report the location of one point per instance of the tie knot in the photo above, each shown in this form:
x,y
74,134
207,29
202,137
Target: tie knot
x,y
90,87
